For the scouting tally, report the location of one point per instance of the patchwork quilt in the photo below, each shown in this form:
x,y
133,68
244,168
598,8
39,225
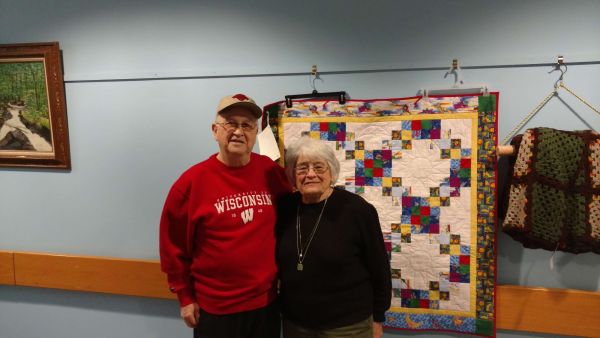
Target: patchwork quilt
x,y
428,166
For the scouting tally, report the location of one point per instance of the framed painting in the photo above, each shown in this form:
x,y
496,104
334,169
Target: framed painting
x,y
33,117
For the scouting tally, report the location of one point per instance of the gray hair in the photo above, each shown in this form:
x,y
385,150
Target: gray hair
x,y
314,150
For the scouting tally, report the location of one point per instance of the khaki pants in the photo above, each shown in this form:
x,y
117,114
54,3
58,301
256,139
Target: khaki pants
x,y
362,329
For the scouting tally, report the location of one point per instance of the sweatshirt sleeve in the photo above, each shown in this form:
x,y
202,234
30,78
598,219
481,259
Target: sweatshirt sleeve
x,y
175,245
378,264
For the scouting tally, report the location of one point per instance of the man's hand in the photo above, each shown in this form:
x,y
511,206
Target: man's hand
x,y
190,314
377,330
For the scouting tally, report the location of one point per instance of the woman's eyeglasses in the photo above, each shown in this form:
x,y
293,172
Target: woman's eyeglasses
x,y
318,168
231,126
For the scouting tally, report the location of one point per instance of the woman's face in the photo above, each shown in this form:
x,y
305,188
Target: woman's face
x,y
313,177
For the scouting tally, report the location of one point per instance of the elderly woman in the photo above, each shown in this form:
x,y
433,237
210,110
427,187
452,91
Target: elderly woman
x,y
333,267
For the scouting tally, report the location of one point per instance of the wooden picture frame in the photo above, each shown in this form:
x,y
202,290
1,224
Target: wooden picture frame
x,y
33,117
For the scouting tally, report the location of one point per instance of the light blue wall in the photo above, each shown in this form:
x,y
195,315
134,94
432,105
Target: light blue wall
x,y
143,79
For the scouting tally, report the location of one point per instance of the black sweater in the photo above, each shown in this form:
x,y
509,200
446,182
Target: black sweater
x,y
346,272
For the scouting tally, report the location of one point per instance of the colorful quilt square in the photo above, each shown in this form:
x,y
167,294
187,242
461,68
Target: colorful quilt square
x,y
454,249
406,229
444,249
465,173
445,201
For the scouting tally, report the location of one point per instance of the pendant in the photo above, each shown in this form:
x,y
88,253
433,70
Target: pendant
x,y
299,267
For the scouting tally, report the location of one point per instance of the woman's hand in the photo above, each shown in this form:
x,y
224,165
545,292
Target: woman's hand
x,y
190,314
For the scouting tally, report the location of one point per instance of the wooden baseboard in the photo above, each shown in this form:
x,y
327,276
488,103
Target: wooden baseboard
x,y
519,308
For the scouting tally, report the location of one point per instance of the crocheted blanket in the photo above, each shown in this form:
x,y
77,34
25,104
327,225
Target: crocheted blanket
x,y
428,167
554,198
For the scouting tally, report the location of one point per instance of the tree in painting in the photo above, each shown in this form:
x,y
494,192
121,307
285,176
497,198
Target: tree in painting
x,y
24,114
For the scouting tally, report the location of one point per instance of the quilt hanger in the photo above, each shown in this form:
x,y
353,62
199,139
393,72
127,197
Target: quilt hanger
x,y
458,87
314,75
506,149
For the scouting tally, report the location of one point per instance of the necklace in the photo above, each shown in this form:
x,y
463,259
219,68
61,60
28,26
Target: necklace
x,y
303,251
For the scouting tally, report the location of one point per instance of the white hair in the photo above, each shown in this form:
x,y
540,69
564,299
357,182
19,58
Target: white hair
x,y
314,150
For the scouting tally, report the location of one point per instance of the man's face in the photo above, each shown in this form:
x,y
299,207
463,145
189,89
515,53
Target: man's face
x,y
235,131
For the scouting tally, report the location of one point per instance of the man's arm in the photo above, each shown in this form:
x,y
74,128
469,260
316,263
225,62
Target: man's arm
x,y
175,246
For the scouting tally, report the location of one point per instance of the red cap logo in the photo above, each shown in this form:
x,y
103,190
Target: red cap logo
x,y
241,97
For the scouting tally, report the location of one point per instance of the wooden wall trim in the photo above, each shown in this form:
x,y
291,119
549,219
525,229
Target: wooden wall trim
x,y
553,311
95,274
519,308
7,268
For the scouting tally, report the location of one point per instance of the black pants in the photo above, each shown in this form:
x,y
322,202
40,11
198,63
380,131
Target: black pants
x,y
260,323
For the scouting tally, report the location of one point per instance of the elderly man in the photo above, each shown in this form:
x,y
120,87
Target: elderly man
x,y
217,232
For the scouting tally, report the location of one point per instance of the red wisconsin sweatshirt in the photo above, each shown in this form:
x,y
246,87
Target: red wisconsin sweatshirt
x,y
217,234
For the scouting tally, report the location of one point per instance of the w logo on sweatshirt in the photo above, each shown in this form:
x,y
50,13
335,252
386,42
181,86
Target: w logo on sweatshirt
x,y
247,215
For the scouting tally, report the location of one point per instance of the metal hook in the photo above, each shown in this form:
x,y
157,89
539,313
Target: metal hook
x,y
558,66
455,69
314,74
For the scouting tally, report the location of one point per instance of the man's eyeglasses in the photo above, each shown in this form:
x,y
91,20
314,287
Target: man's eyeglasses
x,y
318,168
231,126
